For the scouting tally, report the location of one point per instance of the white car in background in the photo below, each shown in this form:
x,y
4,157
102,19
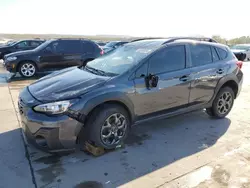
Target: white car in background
x,y
241,49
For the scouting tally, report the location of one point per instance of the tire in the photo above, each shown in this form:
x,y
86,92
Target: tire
x,y
30,68
222,103
95,126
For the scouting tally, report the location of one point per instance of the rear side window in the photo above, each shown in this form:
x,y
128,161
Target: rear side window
x,y
222,53
169,59
88,46
71,46
215,55
201,55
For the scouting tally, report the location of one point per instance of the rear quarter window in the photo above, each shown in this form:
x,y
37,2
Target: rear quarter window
x,y
88,46
222,53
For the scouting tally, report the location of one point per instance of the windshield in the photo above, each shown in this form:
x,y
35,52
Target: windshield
x,y
119,60
111,44
43,45
9,43
239,47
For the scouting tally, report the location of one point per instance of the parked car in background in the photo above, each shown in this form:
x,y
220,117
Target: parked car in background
x,y
100,43
140,81
241,51
14,46
52,55
112,45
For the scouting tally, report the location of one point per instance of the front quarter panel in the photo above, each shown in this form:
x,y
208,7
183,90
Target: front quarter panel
x,y
108,93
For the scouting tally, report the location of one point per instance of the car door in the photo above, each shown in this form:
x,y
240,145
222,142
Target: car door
x,y
206,68
171,91
52,57
73,52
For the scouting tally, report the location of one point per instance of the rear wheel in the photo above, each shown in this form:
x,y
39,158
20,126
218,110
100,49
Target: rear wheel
x,y
108,126
222,103
27,69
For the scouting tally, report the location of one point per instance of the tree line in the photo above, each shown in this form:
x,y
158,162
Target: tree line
x,y
231,42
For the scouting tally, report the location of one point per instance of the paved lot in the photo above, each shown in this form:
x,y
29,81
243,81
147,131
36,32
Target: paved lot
x,y
191,150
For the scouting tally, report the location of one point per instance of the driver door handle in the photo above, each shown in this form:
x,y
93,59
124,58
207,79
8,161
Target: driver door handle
x,y
184,78
220,71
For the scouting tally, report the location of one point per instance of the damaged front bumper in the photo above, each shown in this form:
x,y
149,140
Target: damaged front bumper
x,y
49,133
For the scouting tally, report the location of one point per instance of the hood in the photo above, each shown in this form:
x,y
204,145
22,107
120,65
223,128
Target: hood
x,y
3,47
237,50
26,52
65,84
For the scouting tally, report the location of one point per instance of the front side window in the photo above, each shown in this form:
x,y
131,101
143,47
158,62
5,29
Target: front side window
x,y
34,43
167,60
57,47
200,54
23,44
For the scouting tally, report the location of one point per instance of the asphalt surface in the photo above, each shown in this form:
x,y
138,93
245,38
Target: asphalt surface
x,y
166,153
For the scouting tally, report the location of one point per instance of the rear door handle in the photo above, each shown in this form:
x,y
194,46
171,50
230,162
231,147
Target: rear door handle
x,y
184,78
220,71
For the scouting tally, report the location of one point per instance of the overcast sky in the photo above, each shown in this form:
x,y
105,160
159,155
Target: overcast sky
x,y
126,17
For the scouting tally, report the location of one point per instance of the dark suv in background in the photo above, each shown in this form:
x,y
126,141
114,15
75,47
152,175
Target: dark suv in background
x,y
14,46
52,55
140,81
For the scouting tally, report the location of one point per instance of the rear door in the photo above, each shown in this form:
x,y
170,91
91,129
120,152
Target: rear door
x,y
206,68
172,89
72,53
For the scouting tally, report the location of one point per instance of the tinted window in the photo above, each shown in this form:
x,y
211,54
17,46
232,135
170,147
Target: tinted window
x,y
201,55
142,70
215,55
34,43
88,46
71,46
222,53
22,44
168,59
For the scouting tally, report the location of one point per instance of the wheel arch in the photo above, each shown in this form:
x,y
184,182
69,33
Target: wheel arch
x,y
230,81
22,61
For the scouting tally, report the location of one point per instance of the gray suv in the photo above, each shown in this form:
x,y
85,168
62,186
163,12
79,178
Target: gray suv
x,y
140,81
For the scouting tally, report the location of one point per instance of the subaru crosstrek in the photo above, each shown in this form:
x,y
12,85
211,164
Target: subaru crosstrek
x,y
143,80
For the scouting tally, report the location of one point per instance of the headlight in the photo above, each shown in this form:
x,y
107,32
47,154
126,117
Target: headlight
x,y
53,108
11,58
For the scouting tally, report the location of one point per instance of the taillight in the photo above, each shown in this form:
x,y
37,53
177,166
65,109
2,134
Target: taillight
x,y
239,64
101,52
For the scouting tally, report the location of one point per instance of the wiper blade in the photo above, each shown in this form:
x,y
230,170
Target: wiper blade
x,y
100,72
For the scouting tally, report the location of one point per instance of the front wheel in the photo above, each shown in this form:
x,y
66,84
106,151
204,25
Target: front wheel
x,y
108,126
27,69
222,103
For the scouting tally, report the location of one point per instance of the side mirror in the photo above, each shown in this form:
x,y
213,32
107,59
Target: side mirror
x,y
151,80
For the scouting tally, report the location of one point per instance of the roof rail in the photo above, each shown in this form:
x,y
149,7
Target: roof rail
x,y
172,39
146,39
72,38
